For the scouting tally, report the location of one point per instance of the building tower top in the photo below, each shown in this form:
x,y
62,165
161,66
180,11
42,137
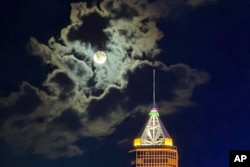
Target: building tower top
x,y
153,146
154,133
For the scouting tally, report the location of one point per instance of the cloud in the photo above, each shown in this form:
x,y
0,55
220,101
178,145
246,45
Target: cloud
x,y
195,3
174,88
81,99
185,81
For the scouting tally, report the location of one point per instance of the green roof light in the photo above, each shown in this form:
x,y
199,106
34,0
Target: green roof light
x,y
153,113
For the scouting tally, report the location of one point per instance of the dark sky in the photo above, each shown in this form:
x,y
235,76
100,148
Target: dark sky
x,y
210,39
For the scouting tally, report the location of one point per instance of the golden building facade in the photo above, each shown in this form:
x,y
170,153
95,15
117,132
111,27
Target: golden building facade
x,y
154,146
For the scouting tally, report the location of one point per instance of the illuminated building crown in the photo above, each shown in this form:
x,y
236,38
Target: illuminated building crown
x,y
154,132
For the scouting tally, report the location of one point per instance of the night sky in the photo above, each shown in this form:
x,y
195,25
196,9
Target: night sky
x,y
59,108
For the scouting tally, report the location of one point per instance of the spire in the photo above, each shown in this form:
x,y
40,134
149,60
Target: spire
x,y
154,132
153,84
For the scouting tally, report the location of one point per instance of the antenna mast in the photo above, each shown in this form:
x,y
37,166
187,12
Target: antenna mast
x,y
153,85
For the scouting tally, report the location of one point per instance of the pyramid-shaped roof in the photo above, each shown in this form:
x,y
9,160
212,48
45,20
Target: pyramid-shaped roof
x,y
154,132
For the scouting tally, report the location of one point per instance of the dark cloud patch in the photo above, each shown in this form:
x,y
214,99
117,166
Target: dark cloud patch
x,y
24,104
97,92
68,119
18,124
91,82
28,102
66,84
78,67
179,78
124,11
144,26
39,120
60,149
96,37
80,72
174,87
100,108
5,113
63,81
128,35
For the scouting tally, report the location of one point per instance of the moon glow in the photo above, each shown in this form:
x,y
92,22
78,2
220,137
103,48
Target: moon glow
x,y
100,57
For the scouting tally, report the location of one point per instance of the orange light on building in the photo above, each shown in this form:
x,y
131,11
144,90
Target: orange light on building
x,y
137,142
168,142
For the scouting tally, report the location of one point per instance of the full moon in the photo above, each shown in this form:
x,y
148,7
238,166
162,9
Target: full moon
x,y
100,57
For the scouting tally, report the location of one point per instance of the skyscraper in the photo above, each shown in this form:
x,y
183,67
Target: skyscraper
x,y
153,147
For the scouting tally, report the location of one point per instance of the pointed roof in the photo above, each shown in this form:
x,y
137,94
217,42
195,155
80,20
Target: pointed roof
x,y
154,132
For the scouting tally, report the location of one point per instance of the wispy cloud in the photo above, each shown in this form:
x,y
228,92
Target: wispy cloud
x,y
82,99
